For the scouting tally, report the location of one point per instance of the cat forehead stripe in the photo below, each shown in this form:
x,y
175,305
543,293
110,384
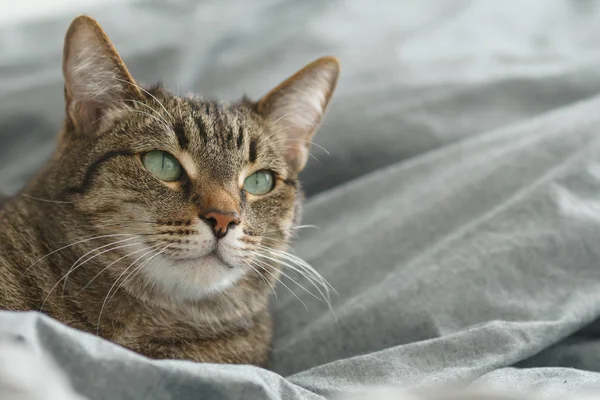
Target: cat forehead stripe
x,y
182,139
196,107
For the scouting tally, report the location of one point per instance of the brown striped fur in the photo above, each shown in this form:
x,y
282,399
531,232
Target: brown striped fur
x,y
58,249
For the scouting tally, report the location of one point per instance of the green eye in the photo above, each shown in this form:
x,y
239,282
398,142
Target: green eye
x,y
162,165
259,183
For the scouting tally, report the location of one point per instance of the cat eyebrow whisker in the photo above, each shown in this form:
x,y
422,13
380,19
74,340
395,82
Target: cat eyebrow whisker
x,y
285,115
166,126
297,108
145,105
293,148
148,93
273,134
303,140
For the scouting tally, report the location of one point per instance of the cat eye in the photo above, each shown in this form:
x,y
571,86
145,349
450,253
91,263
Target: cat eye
x,y
162,165
259,183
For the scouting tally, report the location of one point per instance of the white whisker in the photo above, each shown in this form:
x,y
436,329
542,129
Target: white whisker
x,y
116,261
113,286
148,93
45,200
303,140
71,270
285,286
75,264
304,274
147,106
166,126
310,271
132,273
309,153
69,245
143,264
300,263
257,272
263,263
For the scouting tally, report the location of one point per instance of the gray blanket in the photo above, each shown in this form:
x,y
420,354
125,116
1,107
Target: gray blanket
x,y
458,211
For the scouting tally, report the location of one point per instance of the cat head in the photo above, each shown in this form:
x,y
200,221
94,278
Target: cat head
x,y
202,191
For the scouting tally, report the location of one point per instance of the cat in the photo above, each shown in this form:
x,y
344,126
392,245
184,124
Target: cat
x,y
161,222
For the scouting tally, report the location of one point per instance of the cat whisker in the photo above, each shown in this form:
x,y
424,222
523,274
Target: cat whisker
x,y
113,286
309,153
45,200
116,261
147,106
303,140
167,127
302,273
70,245
75,264
310,272
290,231
71,270
279,241
287,114
296,264
262,265
284,274
256,272
136,269
306,226
300,263
285,128
148,93
128,224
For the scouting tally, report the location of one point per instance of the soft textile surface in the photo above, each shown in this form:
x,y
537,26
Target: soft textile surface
x,y
476,263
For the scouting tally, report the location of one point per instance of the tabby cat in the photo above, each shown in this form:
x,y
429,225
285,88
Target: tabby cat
x,y
161,222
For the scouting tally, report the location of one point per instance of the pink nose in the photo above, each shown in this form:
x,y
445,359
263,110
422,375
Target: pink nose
x,y
220,221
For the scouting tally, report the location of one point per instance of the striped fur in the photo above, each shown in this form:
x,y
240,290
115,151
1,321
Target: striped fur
x,y
97,242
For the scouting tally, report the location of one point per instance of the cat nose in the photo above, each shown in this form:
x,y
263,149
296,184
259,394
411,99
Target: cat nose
x,y
220,221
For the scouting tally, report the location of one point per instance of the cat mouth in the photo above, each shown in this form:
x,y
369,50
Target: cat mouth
x,y
213,258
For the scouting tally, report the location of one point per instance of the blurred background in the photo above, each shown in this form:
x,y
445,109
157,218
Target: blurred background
x,y
416,75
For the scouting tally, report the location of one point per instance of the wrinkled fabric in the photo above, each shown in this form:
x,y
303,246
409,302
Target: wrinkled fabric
x,y
458,211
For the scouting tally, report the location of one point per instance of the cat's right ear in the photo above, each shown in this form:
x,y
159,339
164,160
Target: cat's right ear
x,y
96,79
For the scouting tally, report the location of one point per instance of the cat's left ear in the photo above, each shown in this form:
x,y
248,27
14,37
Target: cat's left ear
x,y
96,79
295,107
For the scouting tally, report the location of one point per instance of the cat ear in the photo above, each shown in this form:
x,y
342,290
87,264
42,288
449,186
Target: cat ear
x,y
96,79
296,107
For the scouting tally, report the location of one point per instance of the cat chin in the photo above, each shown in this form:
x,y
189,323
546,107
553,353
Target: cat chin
x,y
192,280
